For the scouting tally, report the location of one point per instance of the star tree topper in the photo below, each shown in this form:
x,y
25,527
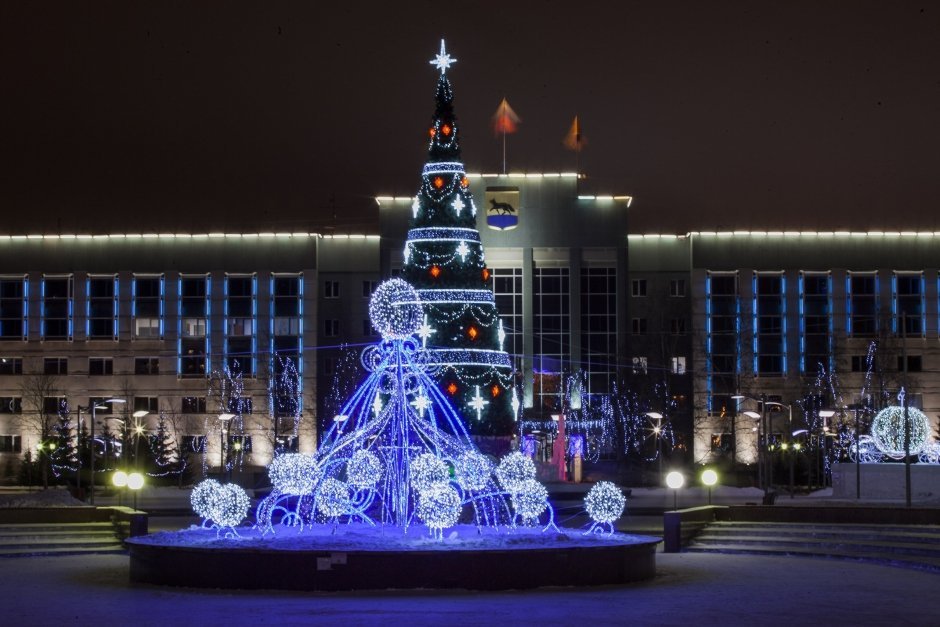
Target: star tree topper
x,y
442,60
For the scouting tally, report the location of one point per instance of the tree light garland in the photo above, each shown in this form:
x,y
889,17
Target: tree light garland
x,y
605,502
294,473
514,470
529,500
364,469
439,507
333,498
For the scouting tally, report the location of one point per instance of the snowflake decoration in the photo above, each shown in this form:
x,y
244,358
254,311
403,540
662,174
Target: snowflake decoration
x,y
425,331
463,250
415,207
478,403
458,205
421,403
377,404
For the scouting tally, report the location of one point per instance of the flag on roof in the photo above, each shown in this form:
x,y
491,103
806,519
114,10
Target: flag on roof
x,y
574,140
505,119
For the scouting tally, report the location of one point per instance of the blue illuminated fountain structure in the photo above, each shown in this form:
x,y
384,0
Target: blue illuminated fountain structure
x,y
400,454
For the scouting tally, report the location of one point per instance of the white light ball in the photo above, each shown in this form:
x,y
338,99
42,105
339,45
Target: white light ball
x,y
675,480
363,470
294,473
229,506
605,502
333,498
515,469
473,470
887,429
439,506
530,500
395,310
427,471
202,497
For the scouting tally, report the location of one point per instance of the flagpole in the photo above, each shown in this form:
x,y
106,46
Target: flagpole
x,y
504,151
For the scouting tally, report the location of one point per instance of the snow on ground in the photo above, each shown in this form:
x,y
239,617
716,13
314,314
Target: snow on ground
x,y
689,589
43,498
362,537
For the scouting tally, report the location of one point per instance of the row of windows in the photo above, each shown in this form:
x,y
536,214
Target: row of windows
x,y
331,289
149,404
640,326
676,288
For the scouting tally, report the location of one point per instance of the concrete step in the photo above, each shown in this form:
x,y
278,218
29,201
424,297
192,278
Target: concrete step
x,y
59,539
45,550
65,527
811,544
926,529
831,534
886,559
62,544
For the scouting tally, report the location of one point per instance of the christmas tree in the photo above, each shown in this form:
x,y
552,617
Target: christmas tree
x,y
63,456
444,261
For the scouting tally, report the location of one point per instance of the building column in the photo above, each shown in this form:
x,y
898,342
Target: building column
x,y
574,313
528,323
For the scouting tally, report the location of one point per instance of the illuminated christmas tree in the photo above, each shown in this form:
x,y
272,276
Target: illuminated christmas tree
x,y
444,261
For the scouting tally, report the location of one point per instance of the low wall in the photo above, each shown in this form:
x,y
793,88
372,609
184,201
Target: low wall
x,y
886,481
137,521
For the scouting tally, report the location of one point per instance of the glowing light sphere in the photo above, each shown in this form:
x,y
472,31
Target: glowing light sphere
x,y
119,479
605,502
887,430
333,498
229,505
428,471
530,500
473,470
395,310
439,506
363,470
202,497
294,473
135,481
709,477
675,480
514,470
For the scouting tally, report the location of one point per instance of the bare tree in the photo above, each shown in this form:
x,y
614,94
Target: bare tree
x,y
35,417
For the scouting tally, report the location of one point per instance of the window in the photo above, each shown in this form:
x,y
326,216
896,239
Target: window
x,y
367,327
368,287
860,363
551,303
769,344
677,287
11,444
101,307
11,405
194,405
240,323
148,306
862,304
331,289
908,303
286,321
639,326
329,366
915,363
57,301
288,443
195,443
146,365
816,322
678,365
55,365
639,365
599,328
639,287
13,308
507,290
149,404
11,365
331,328
722,324
192,352
722,442
52,404
677,326
100,366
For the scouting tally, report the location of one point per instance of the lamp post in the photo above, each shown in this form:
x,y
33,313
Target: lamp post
x,y
789,430
709,478
825,414
135,481
674,481
224,419
91,465
138,431
658,430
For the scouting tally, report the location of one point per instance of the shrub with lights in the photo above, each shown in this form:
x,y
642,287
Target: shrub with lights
x,y
604,504
221,506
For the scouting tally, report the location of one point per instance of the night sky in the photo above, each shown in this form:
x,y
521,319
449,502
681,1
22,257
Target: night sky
x,y
288,116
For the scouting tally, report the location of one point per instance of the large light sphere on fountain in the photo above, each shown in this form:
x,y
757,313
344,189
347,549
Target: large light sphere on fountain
x,y
428,471
472,470
202,497
363,470
605,502
515,469
439,506
333,498
395,310
294,473
887,429
229,506
530,499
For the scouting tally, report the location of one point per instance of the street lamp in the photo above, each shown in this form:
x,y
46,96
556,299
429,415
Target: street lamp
x,y
709,478
824,414
138,431
119,479
658,430
94,406
224,419
674,481
135,481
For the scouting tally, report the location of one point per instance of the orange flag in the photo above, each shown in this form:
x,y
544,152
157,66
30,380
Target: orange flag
x,y
505,119
574,140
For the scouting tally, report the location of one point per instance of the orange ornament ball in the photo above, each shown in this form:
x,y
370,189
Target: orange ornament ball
x,y
438,182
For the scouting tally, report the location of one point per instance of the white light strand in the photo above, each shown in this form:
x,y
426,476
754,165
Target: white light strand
x,y
605,502
294,473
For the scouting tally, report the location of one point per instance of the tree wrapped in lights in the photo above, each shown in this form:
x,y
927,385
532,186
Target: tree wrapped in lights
x,y
444,260
604,504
